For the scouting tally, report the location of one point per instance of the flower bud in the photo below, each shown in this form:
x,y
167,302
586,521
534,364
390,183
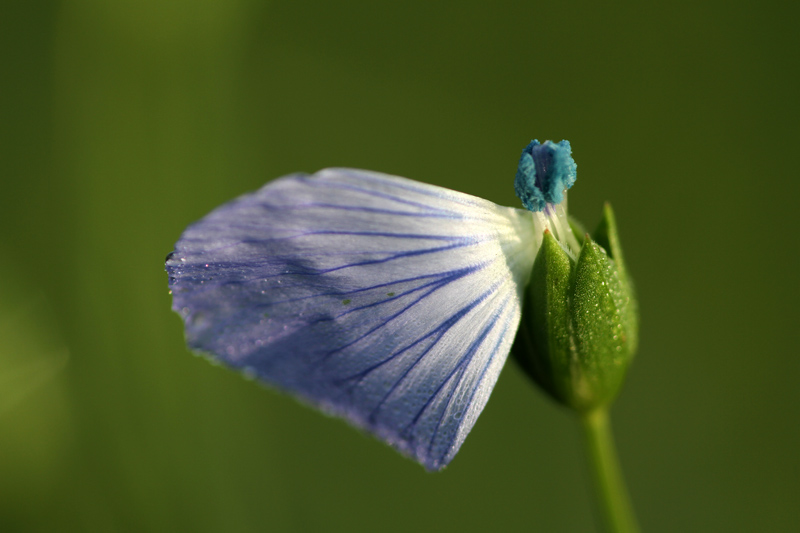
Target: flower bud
x,y
579,324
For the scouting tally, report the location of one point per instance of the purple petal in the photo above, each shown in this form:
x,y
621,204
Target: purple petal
x,y
386,301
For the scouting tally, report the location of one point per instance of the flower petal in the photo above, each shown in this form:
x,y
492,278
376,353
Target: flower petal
x,y
386,301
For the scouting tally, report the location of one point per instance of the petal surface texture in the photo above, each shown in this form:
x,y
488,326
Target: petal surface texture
x,y
386,301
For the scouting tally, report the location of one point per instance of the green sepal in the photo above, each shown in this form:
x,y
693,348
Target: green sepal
x,y
545,329
606,236
601,330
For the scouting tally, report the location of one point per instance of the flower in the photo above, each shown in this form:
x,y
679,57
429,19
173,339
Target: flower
x,y
386,301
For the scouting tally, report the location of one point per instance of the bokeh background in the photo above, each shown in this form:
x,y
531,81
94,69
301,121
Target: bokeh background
x,y
121,122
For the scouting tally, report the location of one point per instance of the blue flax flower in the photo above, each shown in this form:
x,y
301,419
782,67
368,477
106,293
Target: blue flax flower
x,y
386,301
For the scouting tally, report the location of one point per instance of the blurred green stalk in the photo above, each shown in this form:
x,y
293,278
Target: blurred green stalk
x,y
612,495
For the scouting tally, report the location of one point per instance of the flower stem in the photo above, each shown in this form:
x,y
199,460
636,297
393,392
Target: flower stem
x,y
613,500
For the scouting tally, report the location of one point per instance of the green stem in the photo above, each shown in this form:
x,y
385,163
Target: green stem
x,y
615,505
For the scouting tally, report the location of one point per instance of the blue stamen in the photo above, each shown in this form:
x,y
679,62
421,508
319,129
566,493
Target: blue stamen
x,y
545,171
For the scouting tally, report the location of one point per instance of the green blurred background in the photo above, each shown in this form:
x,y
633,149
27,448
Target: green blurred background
x,y
124,121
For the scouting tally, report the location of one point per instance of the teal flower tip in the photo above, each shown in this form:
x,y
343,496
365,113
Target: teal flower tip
x,y
545,171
